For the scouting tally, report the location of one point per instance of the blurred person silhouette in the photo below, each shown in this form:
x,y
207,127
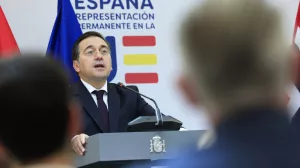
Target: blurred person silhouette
x,y
237,65
296,55
38,115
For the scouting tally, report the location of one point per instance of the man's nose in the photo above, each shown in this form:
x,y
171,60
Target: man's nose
x,y
98,56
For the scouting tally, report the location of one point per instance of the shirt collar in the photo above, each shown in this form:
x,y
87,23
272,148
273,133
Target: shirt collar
x,y
91,88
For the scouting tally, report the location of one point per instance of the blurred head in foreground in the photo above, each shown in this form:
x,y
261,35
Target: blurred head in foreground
x,y
296,61
236,56
37,113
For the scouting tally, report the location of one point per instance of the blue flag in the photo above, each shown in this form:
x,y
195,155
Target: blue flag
x,y
65,32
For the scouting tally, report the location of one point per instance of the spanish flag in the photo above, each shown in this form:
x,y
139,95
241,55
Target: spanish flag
x,y
8,44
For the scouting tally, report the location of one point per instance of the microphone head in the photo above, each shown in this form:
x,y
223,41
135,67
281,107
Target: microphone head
x,y
120,84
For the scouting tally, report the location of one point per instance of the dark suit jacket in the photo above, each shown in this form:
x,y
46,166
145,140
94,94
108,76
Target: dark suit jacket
x,y
254,138
296,121
124,106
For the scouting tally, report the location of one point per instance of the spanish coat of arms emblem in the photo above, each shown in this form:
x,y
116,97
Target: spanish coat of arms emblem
x,y
157,145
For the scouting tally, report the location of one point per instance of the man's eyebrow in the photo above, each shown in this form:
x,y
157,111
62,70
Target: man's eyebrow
x,y
103,46
88,47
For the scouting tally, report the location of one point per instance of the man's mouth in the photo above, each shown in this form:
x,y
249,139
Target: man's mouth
x,y
99,65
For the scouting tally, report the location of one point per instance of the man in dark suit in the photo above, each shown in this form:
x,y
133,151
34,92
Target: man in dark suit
x,y
106,107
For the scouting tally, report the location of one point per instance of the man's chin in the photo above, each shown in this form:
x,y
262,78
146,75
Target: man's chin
x,y
100,77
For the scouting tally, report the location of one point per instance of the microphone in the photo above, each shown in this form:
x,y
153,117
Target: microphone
x,y
159,118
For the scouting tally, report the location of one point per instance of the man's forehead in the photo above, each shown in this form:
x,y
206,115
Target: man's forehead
x,y
92,41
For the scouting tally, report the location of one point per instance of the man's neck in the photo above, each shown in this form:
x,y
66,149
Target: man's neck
x,y
96,84
222,116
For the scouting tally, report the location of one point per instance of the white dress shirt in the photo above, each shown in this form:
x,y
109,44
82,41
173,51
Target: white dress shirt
x,y
90,88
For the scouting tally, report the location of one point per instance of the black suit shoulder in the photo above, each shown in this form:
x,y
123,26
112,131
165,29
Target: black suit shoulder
x,y
133,87
296,120
124,90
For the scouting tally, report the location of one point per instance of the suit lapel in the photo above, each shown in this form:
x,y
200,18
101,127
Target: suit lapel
x,y
114,107
89,104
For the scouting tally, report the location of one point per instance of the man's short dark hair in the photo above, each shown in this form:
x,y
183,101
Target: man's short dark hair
x,y
75,49
34,102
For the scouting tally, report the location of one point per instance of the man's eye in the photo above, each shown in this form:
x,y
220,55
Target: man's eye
x,y
90,52
104,51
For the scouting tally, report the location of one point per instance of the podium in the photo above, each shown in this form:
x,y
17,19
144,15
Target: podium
x,y
120,149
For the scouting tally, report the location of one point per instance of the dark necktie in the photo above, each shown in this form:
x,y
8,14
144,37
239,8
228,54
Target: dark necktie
x,y
103,110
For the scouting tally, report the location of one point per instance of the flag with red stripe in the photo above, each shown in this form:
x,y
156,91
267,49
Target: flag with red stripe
x,y
8,44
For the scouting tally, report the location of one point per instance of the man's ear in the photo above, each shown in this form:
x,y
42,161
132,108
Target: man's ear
x,y
76,66
189,90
